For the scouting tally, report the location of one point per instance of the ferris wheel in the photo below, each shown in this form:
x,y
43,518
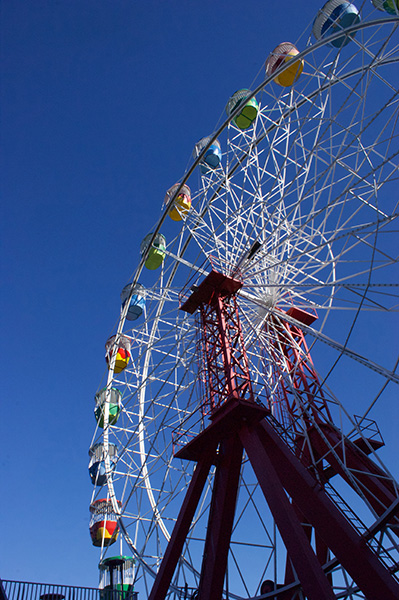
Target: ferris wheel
x,y
273,255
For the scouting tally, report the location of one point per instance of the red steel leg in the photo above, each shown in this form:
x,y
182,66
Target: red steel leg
x,y
182,526
221,518
314,582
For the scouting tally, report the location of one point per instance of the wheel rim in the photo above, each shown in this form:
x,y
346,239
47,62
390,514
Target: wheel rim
x,y
316,183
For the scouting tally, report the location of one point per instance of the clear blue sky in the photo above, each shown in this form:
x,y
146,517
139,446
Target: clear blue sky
x,y
102,102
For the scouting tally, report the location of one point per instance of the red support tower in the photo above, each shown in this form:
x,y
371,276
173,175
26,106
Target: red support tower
x,y
225,364
295,494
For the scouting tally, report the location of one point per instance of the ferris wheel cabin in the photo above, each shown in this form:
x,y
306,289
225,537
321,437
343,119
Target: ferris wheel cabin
x,y
114,407
249,110
116,578
335,16
97,470
181,204
120,347
156,254
211,157
136,293
284,53
389,6
103,526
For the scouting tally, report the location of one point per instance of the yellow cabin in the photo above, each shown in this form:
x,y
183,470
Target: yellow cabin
x,y
284,53
181,204
122,350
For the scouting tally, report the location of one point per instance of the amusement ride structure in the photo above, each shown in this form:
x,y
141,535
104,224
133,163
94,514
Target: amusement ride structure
x,y
222,461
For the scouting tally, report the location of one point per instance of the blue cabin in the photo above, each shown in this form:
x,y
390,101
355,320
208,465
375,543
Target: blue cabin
x,y
136,293
212,156
335,16
97,462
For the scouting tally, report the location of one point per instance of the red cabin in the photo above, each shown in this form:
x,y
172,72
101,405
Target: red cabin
x,y
104,528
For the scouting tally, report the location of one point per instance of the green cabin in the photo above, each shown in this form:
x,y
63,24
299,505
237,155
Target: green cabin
x,y
116,578
115,401
248,112
156,253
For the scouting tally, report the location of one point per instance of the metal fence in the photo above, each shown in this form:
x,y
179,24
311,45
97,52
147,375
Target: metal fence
x,y
21,590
